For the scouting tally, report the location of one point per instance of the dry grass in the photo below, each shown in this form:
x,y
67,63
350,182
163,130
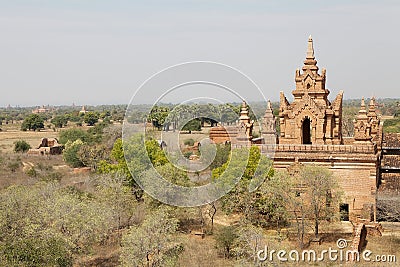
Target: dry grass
x,y
11,133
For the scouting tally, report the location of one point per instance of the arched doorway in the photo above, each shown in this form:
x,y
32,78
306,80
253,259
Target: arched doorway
x,y
306,130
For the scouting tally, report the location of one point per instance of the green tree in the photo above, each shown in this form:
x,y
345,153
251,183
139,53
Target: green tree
x,y
91,118
225,239
240,199
21,146
46,224
70,153
152,243
314,197
32,122
91,155
60,121
74,134
192,125
322,191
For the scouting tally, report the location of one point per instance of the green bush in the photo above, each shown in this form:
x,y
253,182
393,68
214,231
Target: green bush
x,y
392,125
91,118
31,172
33,122
74,134
21,146
225,239
70,153
188,142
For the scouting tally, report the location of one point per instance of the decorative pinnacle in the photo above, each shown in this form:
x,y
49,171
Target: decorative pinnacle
x,y
362,103
269,104
310,49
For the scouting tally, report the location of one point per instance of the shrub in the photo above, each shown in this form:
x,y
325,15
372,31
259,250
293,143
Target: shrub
x,y
74,134
33,122
188,142
225,240
31,172
70,153
21,146
13,166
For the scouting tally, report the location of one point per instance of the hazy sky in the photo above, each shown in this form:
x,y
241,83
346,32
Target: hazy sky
x,y
99,52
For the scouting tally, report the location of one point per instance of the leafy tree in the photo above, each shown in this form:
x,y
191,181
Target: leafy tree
x,y
225,240
188,142
322,192
70,153
74,134
91,118
32,122
221,156
157,116
152,243
250,240
138,151
113,191
60,121
21,146
315,196
91,155
240,199
46,224
192,125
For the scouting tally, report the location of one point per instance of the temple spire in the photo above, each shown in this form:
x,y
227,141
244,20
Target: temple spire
x,y
310,49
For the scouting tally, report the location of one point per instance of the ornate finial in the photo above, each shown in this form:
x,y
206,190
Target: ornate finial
x,y
362,103
269,104
310,49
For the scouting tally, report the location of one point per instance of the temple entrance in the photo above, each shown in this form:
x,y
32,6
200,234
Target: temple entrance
x,y
306,128
344,212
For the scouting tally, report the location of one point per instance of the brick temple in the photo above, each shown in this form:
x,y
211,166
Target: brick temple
x,y
311,132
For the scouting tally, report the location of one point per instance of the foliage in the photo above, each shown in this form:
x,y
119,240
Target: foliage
x,y
157,116
31,172
151,243
225,239
314,197
32,122
322,192
255,206
140,154
60,121
155,153
21,146
249,241
91,118
192,125
91,155
14,165
70,153
188,142
74,134
222,155
45,224
392,125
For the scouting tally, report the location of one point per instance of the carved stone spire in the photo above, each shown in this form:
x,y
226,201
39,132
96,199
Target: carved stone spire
x,y
372,110
245,125
374,120
310,58
362,126
269,125
244,113
310,49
